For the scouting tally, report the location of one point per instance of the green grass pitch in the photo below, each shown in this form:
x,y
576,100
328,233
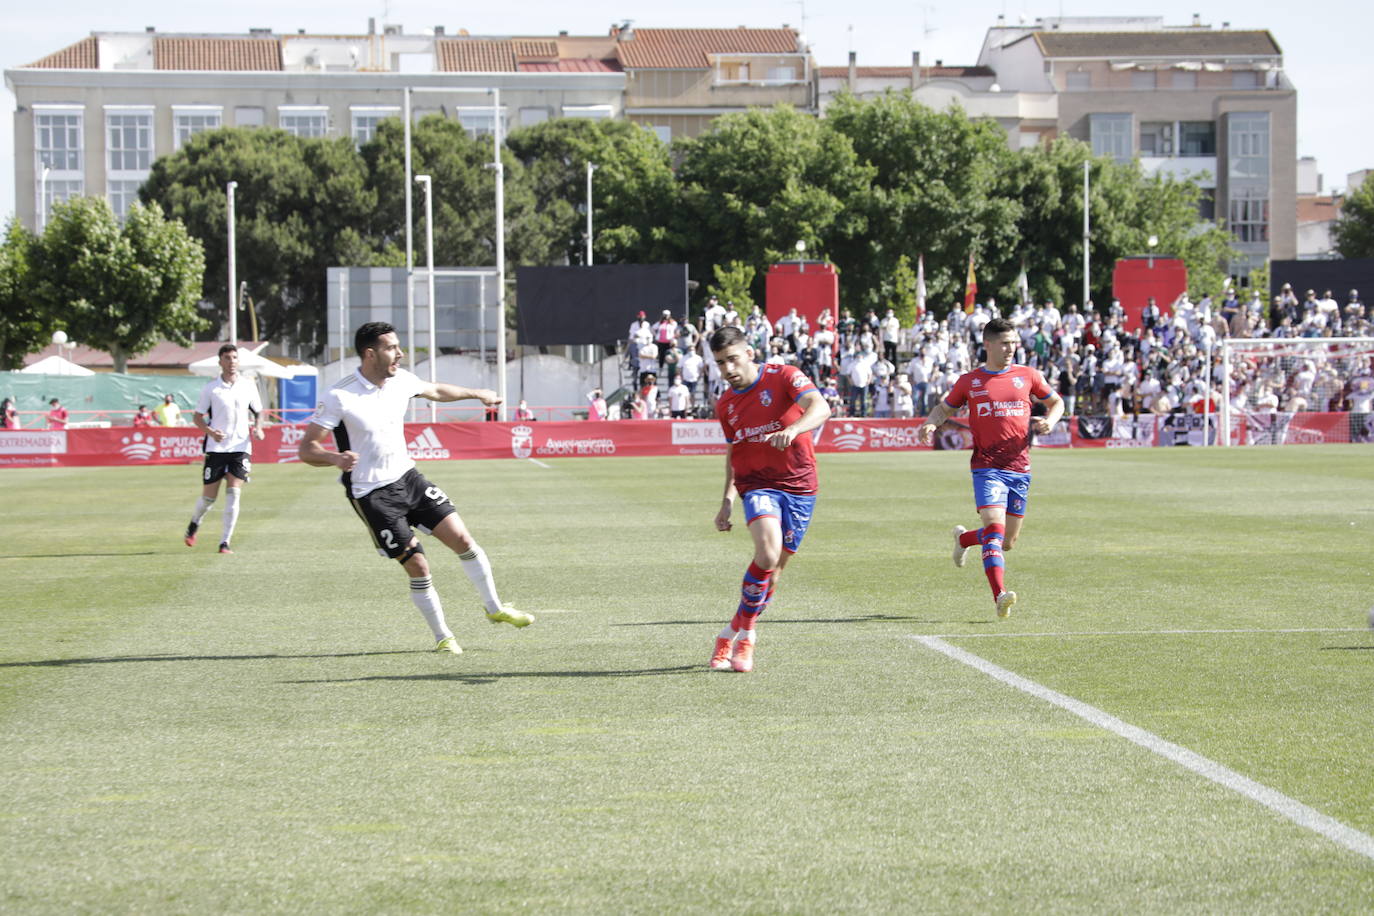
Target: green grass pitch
x,y
184,732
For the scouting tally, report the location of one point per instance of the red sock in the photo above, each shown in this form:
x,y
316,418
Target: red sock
x,y
993,567
971,538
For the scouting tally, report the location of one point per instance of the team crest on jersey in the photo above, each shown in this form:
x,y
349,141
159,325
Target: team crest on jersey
x,y
1017,382
977,382
765,397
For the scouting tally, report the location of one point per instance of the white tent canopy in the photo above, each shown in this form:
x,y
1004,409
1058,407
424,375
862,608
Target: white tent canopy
x,y
56,365
249,364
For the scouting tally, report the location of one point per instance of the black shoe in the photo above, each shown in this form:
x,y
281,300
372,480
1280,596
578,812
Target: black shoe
x,y
191,534
224,548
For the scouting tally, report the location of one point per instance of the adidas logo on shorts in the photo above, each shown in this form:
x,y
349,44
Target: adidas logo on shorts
x,y
426,445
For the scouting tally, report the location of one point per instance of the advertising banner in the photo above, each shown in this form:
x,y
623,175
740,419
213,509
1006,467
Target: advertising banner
x,y
645,438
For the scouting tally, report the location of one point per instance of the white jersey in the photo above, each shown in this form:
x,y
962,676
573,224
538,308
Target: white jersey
x,y
225,407
370,421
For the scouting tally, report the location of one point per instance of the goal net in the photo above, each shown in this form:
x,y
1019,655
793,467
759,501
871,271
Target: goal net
x,y
1284,391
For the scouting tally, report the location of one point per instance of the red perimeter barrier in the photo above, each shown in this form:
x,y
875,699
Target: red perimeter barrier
x,y
580,439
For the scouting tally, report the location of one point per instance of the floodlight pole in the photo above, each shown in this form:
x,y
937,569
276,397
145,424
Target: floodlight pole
x,y
410,242
591,167
500,254
233,268
428,185
1087,164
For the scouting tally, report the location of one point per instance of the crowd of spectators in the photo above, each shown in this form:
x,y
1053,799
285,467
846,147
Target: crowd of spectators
x,y
1167,361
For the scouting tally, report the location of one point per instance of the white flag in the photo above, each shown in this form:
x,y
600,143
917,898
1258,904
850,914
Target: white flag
x,y
1023,285
920,286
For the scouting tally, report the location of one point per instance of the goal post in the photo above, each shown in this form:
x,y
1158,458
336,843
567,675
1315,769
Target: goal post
x,y
1274,386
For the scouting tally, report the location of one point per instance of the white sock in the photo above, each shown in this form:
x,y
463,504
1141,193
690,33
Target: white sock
x,y
478,568
748,636
231,512
727,633
202,506
424,597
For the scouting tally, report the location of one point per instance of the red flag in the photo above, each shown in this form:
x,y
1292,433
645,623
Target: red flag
x,y
970,288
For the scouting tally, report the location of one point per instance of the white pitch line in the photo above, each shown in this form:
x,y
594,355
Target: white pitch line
x,y
1146,632
1291,808
541,464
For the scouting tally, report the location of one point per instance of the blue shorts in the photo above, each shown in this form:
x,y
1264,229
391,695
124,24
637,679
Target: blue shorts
x,y
1009,489
792,510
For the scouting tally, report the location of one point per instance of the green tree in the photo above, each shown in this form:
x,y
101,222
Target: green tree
x,y
302,206
757,183
935,178
733,284
1354,229
24,323
633,189
119,289
900,291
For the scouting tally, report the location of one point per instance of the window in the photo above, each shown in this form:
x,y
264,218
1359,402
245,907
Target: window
x,y
123,195
1250,215
1111,135
592,112
130,142
311,121
55,191
663,132
1197,138
249,117
188,121
529,116
1245,79
1078,81
129,149
1249,146
58,135
365,121
733,72
1157,138
1207,204
782,74
1185,80
478,122
1143,79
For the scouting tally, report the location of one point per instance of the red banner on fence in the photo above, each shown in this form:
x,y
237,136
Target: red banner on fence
x,y
638,438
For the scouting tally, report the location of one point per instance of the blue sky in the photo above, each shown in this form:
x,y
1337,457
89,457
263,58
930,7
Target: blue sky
x,y
1325,42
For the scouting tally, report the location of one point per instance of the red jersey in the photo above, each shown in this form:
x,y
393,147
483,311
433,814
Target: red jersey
x,y
999,414
750,416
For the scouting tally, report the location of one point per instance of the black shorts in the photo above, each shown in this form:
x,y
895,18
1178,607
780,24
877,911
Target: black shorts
x,y
390,511
217,464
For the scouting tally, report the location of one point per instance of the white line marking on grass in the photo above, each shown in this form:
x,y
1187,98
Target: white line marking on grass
x,y
541,464
1294,810
1146,632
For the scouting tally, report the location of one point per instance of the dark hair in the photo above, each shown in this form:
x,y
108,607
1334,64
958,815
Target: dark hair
x,y
726,337
227,348
368,335
997,326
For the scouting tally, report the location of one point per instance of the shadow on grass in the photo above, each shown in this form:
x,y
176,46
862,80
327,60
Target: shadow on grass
x,y
71,556
496,676
773,621
114,659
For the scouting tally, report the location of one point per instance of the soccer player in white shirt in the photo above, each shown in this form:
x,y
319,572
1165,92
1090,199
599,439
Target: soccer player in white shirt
x,y
227,405
366,413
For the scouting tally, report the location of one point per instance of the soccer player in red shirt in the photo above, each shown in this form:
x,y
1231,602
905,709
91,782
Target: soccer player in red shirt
x,y
999,394
767,413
